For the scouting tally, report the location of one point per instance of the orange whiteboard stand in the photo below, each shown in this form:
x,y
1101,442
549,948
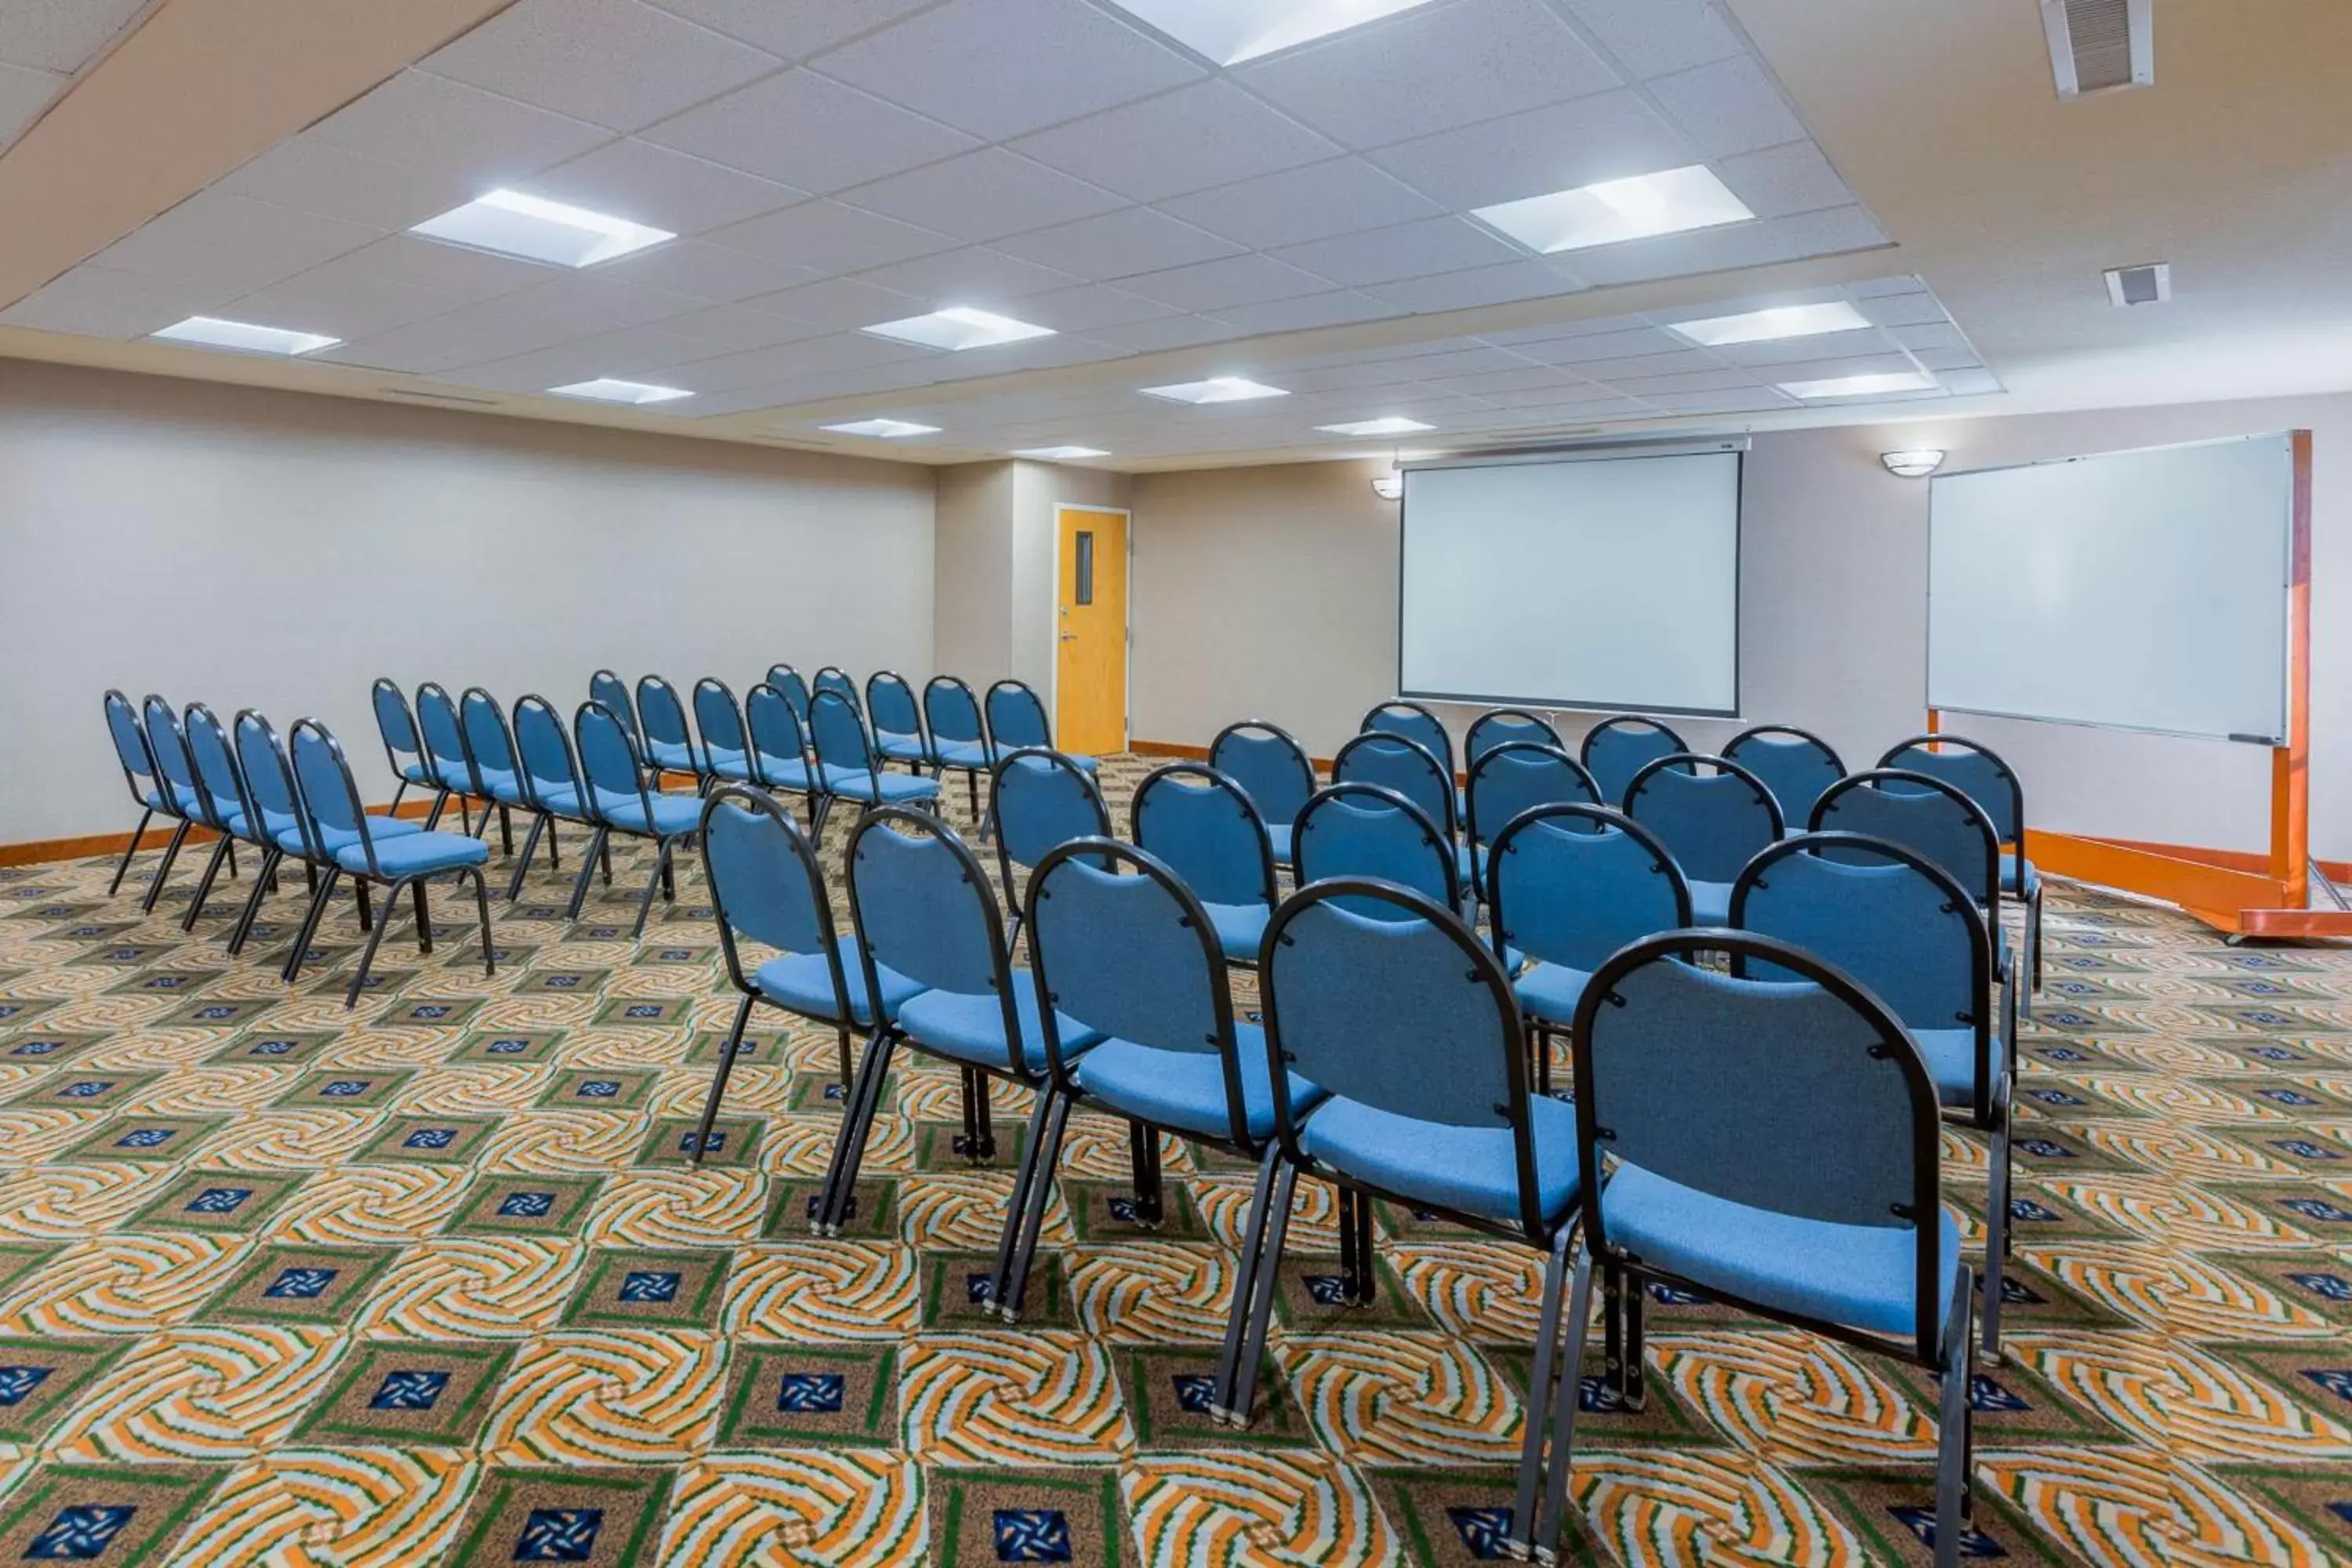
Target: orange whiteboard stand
x,y
2241,894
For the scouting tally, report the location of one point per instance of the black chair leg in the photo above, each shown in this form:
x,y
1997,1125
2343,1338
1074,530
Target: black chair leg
x,y
1245,1290
440,805
264,885
130,849
719,1080
857,1119
587,870
482,909
848,1071
646,902
424,916
1017,1209
320,899
367,908
1143,1155
1564,1401
1048,1156
983,1131
554,850
205,885
1266,1280
530,846
506,829
1538,1400
163,868
375,941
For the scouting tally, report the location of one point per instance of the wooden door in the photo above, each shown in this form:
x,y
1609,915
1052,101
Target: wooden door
x,y
1090,619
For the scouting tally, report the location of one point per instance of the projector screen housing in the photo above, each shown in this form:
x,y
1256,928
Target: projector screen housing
x,y
1603,579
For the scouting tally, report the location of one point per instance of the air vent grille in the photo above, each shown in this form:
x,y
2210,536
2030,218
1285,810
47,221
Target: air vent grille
x,y
418,394
2098,45
2148,284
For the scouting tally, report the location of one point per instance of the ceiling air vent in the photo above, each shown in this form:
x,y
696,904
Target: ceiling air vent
x,y
2150,284
2098,45
418,394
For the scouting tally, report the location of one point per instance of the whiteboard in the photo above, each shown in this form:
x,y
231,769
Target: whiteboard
x,y
2137,590
1588,581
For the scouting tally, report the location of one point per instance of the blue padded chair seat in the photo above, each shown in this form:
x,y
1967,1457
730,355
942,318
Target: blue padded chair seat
x,y
414,774
1550,992
1240,928
1084,764
787,772
1279,835
803,982
1472,1169
1860,1276
850,784
413,854
970,1026
288,836
561,799
1710,902
187,802
673,814
1951,1059
1185,1090
672,755
2009,870
504,786
901,748
151,800
960,753
728,764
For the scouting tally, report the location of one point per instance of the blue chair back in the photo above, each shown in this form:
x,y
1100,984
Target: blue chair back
x,y
1923,814
832,678
1571,884
1041,801
1976,771
1399,763
486,741
322,783
952,712
1416,724
662,719
1502,726
719,721
396,724
765,881
168,747
270,782
787,679
837,731
130,748
1201,824
1795,764
1016,718
1714,821
779,745
1520,776
1800,1097
445,757
616,784
214,765
1271,768
890,706
614,692
1616,749
923,908
545,751
1356,831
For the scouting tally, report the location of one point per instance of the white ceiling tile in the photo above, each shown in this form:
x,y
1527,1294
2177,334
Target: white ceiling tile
x,y
706,271
831,237
1674,362
216,240
1752,400
62,35
1651,37
1593,348
1430,68
312,174
469,275
1037,353
1791,178
1119,244
1088,306
347,305
1830,230
1234,280
615,63
1886,287
1608,136
1307,311
1402,251
1000,67
739,327
1163,332
1930,335
99,301
1720,249
1730,106
1889,363
840,351
1947,359
573,306
983,196
1685,380
1486,383
1527,280
457,130
1453,356
632,353
1798,351
1969,382
858,382
1901,310
1571,415
24,93
792,30
837,302
1340,195
1557,403
802,130
972,276
645,184
1210,133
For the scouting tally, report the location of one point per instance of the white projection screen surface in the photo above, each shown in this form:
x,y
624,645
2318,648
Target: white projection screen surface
x,y
1594,582
2134,589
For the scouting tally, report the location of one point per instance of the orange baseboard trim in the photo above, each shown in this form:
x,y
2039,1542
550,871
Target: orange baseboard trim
x,y
1195,753
37,851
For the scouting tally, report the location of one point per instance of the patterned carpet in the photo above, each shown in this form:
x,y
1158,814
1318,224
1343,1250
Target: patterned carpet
x,y
434,1287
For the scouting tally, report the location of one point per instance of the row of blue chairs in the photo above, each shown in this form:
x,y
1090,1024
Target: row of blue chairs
x,y
1770,1133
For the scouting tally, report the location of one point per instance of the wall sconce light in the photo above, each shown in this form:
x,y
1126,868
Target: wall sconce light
x,y
1916,463
1388,487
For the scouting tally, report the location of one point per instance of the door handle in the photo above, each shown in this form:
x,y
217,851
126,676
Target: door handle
x,y
1069,637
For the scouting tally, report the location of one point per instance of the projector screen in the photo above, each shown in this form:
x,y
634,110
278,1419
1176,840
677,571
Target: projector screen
x,y
1603,581
2135,590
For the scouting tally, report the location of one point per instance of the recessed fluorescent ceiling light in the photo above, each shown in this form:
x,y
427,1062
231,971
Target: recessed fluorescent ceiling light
x,y
1603,214
1060,454
887,429
1392,426
536,230
245,337
1781,321
1232,31
959,327
604,389
1217,389
1862,385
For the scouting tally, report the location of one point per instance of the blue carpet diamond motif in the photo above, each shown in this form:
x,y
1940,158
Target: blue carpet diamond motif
x,y
643,1010
2333,1286
80,1534
2295,1097
2304,1149
809,1393
1032,1535
506,1047
429,1010
2319,1209
2043,1149
2336,1380
978,1289
1595,1397
528,1205
560,982
1327,1290
35,1048
409,1391
1195,1392
1984,1394
430,1138
558,1535
712,1142
2026,1208
1921,1523
647,1286
269,1047
1483,1532
2015,1292
147,1138
219,1200
2342,1510
301,1284
1672,1296
598,1089
343,1087
2063,1053
215,1013
89,1088
2275,1054
17,1382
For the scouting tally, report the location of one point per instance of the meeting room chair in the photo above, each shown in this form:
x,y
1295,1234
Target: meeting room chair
x,y
846,766
1713,816
794,690
780,759
1512,777
1795,764
269,785
1121,944
1363,830
1772,1145
832,678
141,777
1568,885
212,764
614,692
169,748
553,785
958,739
491,745
923,910
767,888
1273,770
331,803
1501,726
445,757
1406,1023
1039,801
1415,723
403,753
1202,825
1898,924
668,745
718,721
897,720
1016,719
1400,762
625,801
1978,771
1939,820
1616,749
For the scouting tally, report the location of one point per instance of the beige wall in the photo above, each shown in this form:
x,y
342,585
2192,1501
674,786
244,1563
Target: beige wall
x,y
279,551
1271,593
